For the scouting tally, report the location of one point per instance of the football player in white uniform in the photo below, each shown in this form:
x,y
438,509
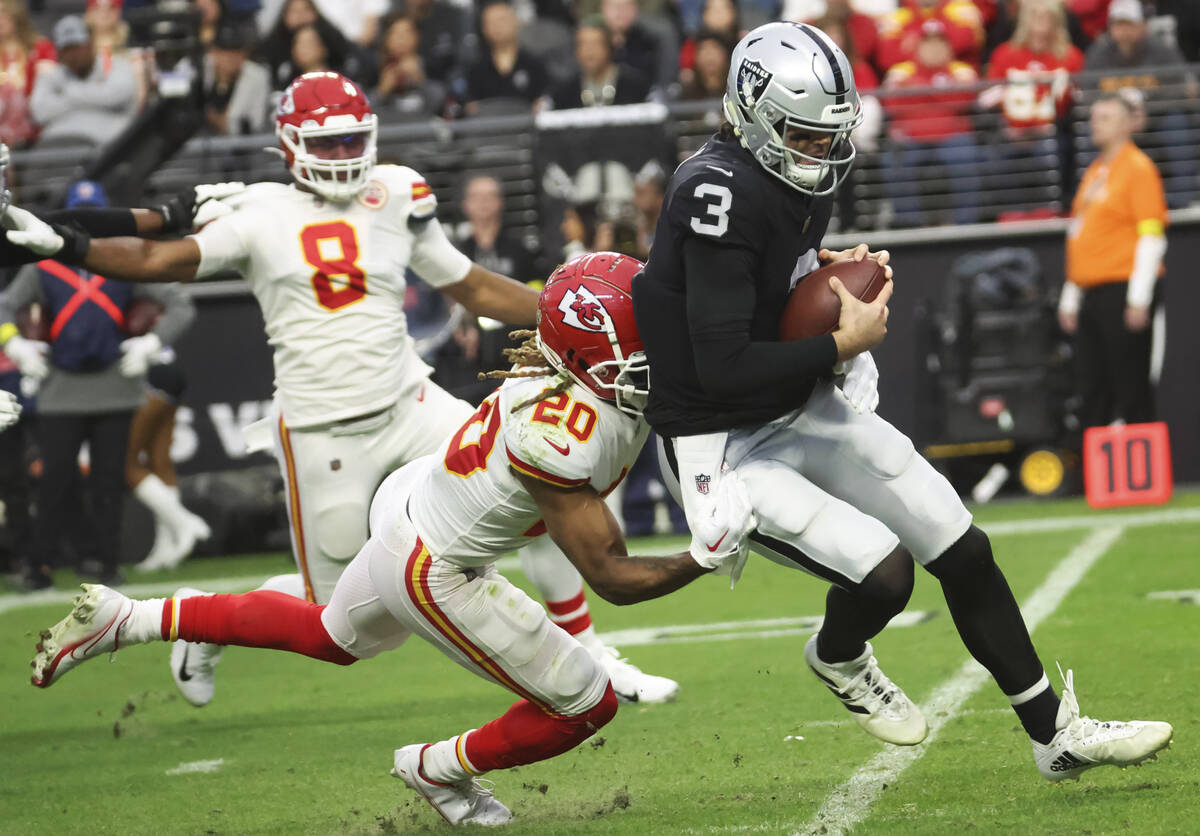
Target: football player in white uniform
x,y
540,452
326,259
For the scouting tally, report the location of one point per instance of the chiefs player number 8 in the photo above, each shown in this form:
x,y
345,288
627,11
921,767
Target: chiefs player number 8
x,y
318,240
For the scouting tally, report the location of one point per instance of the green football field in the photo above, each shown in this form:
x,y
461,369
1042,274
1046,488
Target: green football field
x,y
754,744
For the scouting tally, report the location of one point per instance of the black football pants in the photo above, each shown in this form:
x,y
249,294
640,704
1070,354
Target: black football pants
x,y
1112,362
59,439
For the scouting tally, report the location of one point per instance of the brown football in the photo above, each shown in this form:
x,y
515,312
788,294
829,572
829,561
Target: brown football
x,y
813,308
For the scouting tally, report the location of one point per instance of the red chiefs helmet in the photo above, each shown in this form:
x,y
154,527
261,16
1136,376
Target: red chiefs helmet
x,y
586,328
327,132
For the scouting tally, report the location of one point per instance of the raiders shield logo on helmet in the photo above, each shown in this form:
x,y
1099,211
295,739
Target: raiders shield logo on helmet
x,y
752,81
581,309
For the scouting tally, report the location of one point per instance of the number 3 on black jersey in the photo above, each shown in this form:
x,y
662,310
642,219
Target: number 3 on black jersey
x,y
717,200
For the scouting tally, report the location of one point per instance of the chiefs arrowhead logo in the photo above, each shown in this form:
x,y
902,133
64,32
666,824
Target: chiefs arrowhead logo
x,y
581,309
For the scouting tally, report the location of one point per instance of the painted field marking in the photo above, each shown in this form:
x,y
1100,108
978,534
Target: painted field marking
x,y
193,767
850,804
1183,596
767,628
13,601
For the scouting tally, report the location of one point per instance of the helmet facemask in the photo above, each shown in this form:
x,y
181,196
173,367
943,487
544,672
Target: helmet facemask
x,y
630,385
764,130
314,163
623,380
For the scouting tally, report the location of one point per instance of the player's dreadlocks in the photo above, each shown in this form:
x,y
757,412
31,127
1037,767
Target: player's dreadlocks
x,y
528,361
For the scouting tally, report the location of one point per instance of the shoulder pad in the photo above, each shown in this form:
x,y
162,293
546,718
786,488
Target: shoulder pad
x,y
716,199
540,443
408,189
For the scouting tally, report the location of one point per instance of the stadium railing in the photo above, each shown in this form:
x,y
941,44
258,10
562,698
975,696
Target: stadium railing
x,y
1018,177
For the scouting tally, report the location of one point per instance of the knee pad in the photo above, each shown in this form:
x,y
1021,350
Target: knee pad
x,y
341,530
599,714
969,556
574,676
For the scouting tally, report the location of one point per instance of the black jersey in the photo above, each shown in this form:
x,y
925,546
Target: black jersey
x,y
731,242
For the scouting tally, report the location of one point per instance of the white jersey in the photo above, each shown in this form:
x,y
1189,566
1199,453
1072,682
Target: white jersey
x,y
470,508
330,280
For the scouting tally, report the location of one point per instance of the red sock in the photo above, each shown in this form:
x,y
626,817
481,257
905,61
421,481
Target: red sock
x,y
526,734
254,619
572,614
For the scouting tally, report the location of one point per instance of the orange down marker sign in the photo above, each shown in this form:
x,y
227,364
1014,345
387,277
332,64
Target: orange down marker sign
x,y
1128,465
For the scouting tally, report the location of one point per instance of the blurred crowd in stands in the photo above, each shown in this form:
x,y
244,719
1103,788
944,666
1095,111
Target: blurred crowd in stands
x,y
79,77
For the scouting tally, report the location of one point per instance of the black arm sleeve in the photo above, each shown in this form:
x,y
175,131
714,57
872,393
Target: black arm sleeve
x,y
98,223
720,307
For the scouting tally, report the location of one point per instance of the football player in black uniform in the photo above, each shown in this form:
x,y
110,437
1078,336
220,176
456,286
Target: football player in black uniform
x,y
837,491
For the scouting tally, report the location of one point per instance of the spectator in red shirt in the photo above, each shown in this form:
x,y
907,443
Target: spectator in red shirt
x,y
1035,66
900,31
931,127
1092,14
22,53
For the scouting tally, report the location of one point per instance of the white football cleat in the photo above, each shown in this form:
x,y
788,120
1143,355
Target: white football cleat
x,y
1082,743
193,529
629,682
193,669
463,803
193,664
879,705
92,628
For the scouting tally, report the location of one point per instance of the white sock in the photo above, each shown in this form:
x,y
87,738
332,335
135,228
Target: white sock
x,y
145,622
163,501
443,761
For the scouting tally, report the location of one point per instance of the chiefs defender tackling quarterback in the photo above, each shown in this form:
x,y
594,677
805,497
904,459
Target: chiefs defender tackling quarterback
x,y
540,452
325,257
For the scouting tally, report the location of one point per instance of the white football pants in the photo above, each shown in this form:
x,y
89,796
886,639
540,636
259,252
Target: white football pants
x,y
394,587
835,490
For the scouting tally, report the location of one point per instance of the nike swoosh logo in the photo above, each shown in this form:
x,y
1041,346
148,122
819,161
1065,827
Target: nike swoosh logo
x,y
727,172
184,676
717,544
564,450
421,397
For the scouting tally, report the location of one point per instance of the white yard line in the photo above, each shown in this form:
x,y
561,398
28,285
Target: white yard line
x,y
849,804
193,767
1131,519
768,628
1124,519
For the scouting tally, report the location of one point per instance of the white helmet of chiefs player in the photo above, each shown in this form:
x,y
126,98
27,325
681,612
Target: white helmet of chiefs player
x,y
327,135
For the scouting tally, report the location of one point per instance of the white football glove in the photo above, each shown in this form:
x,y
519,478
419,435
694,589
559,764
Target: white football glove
x,y
137,353
861,386
29,355
210,203
10,410
26,229
719,535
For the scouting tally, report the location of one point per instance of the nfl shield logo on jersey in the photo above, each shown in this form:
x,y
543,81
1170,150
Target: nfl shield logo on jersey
x,y
703,480
752,81
581,309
